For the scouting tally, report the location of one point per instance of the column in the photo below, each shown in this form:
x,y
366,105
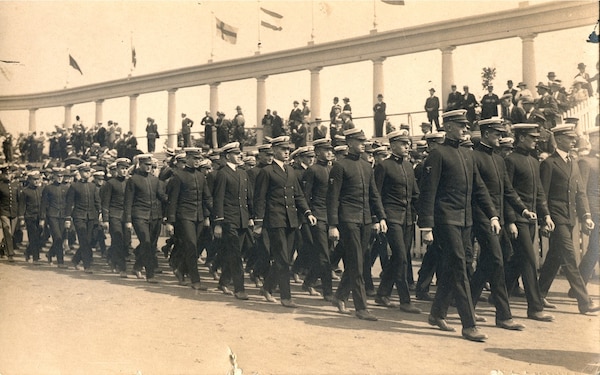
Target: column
x,y
315,98
99,110
171,126
378,84
32,124
528,52
214,107
68,121
447,73
133,114
261,107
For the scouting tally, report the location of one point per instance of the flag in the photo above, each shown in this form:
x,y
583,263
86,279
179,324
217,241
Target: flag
x,y
227,32
270,19
133,57
74,64
6,72
393,2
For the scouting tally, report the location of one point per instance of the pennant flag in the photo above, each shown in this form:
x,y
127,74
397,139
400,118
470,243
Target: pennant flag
x,y
133,57
393,2
270,19
74,64
227,32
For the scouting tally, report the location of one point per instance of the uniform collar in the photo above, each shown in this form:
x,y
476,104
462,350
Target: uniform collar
x,y
353,156
485,148
452,142
397,158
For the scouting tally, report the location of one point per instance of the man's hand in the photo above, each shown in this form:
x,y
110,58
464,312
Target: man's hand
x,y
549,223
250,223
257,229
218,231
589,224
67,224
529,215
375,228
129,226
383,225
334,234
206,222
512,229
312,220
169,228
42,224
105,226
495,223
427,236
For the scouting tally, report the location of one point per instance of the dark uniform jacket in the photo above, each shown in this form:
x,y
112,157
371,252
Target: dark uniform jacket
x,y
397,185
489,105
112,197
143,196
450,181
523,171
54,201
233,197
30,202
315,183
278,197
83,201
189,196
493,173
564,189
588,167
454,101
9,193
253,173
352,193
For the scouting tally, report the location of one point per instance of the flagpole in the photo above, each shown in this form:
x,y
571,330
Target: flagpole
x,y
68,68
374,16
258,25
131,52
212,37
312,22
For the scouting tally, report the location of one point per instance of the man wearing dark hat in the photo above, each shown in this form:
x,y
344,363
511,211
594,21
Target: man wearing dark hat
x,y
347,106
567,201
209,123
450,182
30,200
512,91
238,133
9,192
112,197
490,265
267,124
53,211
396,183
144,195
320,130
278,129
489,104
524,174
432,107
295,118
186,130
151,134
83,209
189,209
507,107
454,99
277,200
547,105
233,217
469,103
315,182
379,115
354,203
223,126
336,108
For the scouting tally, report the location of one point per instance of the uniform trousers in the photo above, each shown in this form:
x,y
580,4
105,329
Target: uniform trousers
x,y
8,226
190,232
259,258
231,256
562,252
146,229
118,247
303,245
85,231
490,267
453,280
282,245
429,267
34,234
523,262
355,238
320,265
57,227
395,271
590,258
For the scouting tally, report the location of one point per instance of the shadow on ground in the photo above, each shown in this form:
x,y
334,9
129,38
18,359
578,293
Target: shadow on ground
x,y
588,363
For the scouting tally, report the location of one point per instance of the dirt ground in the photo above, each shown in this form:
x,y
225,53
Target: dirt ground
x,y
56,321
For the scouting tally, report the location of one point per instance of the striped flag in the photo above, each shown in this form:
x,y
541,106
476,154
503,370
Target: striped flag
x,y
226,32
270,20
133,57
393,2
74,64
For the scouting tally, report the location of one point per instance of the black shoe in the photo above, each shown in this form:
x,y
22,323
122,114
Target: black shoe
x,y
225,290
510,325
547,305
412,287
366,315
328,297
341,306
88,271
589,308
519,292
241,295
199,286
312,291
371,293
410,308
267,295
479,318
138,274
384,301
473,334
441,323
540,316
151,280
425,296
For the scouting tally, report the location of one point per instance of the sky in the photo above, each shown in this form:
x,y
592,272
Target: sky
x,y
175,34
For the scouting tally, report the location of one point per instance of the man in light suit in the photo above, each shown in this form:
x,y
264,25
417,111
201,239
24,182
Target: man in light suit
x,y
567,201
